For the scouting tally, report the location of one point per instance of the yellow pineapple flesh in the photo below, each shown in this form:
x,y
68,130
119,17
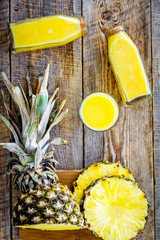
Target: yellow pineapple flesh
x,y
96,171
115,208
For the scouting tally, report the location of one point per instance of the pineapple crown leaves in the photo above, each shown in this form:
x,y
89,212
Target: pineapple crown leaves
x,y
32,125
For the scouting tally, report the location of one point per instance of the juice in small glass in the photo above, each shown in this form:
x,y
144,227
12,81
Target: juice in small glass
x,y
127,66
99,111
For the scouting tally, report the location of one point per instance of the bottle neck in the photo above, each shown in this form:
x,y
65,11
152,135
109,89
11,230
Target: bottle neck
x,y
84,28
114,30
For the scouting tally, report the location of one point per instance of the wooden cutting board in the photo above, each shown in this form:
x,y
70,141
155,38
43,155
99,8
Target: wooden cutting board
x,y
66,177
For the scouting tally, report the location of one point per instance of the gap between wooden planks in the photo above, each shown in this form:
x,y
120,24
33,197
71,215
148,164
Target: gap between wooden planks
x,y
66,177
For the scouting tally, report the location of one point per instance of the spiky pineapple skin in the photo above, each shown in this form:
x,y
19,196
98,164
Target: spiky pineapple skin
x,y
87,194
109,168
52,204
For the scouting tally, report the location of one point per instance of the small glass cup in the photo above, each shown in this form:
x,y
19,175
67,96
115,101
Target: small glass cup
x,y
111,103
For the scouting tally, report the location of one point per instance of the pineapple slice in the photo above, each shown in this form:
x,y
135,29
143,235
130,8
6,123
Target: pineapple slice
x,y
96,171
52,227
115,208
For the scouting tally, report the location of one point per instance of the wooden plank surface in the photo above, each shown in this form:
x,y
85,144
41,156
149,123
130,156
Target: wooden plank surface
x,y
156,107
86,69
57,235
5,193
67,177
130,141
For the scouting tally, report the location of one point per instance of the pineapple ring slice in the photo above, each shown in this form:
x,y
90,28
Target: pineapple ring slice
x,y
96,171
115,208
51,227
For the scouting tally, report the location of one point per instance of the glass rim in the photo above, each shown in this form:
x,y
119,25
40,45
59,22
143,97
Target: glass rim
x,y
105,129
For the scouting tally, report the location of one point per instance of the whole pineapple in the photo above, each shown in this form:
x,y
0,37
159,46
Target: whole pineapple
x,y
44,204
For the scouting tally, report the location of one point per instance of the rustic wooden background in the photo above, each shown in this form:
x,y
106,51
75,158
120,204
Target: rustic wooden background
x,y
135,139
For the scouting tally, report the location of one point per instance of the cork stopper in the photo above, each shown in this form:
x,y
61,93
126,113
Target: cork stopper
x,y
84,28
114,30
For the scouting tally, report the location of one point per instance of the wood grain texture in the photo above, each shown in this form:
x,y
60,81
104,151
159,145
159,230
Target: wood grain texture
x,y
5,224
130,141
57,235
156,107
67,177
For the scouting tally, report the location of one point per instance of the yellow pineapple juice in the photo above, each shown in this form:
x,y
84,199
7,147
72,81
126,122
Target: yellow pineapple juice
x,y
127,66
46,32
99,111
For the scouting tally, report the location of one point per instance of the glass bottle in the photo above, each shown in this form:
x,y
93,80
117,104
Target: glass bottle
x,y
46,32
127,66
